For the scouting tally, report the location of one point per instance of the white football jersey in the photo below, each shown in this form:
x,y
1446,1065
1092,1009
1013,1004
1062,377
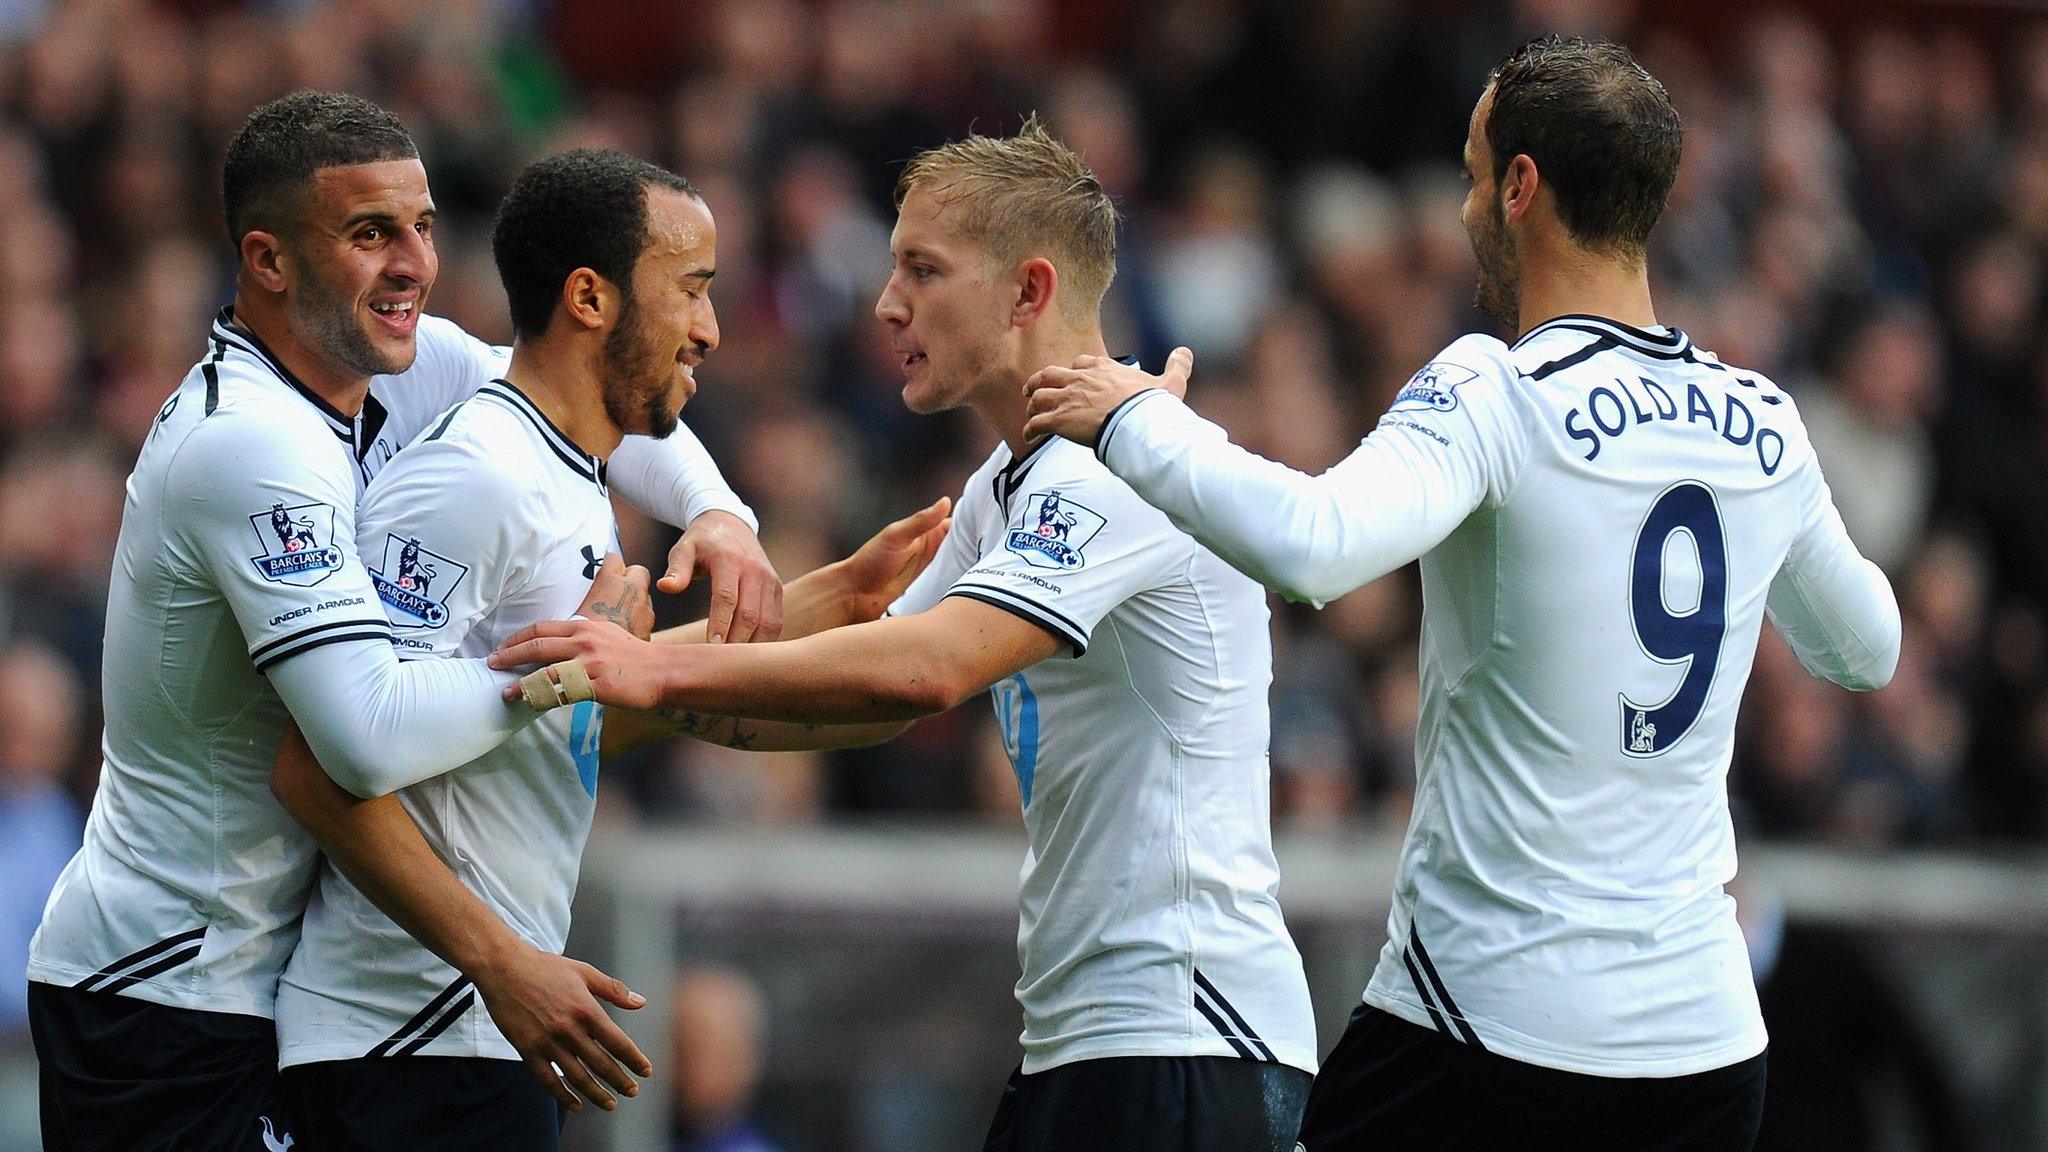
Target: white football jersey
x,y
1604,515
235,553
1150,920
490,522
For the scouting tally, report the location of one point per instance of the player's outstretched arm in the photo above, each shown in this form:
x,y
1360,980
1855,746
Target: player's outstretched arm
x,y
895,669
1310,538
546,1005
626,730
855,590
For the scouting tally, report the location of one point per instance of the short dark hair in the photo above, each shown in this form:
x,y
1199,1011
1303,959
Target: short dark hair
x,y
1601,130
580,209
271,161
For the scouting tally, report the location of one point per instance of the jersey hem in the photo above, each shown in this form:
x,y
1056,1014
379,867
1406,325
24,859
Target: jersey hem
x,y
328,1051
212,1000
1507,1042
1291,1055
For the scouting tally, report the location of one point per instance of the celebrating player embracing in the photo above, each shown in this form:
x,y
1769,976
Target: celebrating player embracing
x,y
238,601
1605,515
1164,1002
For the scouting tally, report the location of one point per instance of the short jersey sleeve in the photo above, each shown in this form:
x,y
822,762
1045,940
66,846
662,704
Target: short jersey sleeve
x,y
974,516
262,504
443,533
1074,543
959,552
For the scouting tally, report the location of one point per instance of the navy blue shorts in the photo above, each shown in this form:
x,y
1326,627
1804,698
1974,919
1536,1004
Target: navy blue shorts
x,y
421,1104
1392,1086
1152,1104
116,1074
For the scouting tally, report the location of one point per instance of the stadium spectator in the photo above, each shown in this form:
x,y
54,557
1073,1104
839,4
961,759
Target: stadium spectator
x,y
718,1044
40,825
39,822
1869,425
113,114
795,129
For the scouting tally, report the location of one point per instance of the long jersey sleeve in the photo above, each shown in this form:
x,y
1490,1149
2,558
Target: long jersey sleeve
x,y
1605,516
309,614
1834,606
378,723
674,479
1314,538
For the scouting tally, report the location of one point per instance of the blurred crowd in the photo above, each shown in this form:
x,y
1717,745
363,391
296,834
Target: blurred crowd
x,y
1862,214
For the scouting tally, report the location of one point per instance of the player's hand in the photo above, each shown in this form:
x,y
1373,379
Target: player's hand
x,y
619,594
746,594
1074,401
883,568
624,672
547,1007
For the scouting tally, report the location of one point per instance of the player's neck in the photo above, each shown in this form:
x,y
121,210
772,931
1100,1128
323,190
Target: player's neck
x,y
266,318
561,378
1578,283
1003,403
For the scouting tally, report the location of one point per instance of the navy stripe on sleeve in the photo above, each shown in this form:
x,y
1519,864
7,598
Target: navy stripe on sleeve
x,y
1062,629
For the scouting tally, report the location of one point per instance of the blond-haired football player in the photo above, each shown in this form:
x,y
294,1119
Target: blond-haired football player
x,y
1164,1003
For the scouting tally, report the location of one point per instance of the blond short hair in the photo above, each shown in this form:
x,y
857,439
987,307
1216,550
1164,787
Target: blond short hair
x,y
1025,195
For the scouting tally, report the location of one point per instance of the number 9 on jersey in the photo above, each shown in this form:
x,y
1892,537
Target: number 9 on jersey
x,y
1691,639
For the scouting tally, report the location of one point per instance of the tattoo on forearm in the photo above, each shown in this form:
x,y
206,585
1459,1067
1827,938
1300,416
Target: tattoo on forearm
x,y
685,722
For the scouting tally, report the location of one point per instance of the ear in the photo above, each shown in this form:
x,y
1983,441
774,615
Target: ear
x,y
1518,186
1038,284
590,299
264,260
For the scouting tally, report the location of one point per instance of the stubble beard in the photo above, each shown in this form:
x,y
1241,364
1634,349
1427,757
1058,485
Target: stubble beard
x,y
961,384
329,318
636,382
1500,273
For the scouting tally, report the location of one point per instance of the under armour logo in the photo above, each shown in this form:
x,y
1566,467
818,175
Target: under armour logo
x,y
270,1140
591,562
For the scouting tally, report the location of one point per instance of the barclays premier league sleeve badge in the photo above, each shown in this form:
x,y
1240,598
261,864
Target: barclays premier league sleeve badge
x,y
298,544
1053,532
1435,388
415,582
